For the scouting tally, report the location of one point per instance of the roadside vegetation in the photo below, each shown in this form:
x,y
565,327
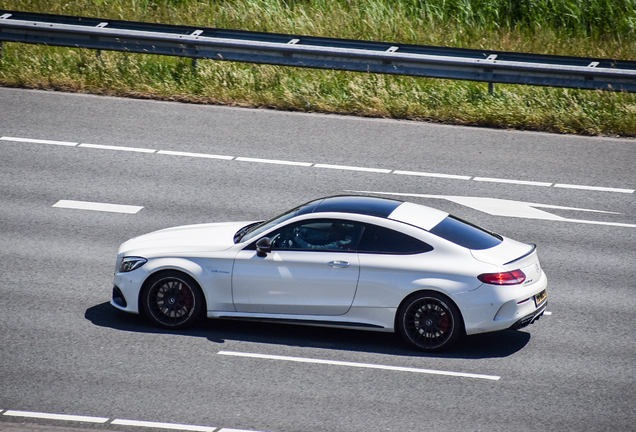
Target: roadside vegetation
x,y
590,28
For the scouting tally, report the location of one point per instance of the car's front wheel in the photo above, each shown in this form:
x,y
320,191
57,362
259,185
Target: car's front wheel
x,y
172,300
429,321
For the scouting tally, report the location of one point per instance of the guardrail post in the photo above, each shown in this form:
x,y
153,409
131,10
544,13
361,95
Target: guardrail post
x,y
195,64
491,88
1,47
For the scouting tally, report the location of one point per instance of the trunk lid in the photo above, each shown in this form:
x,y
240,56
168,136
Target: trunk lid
x,y
513,255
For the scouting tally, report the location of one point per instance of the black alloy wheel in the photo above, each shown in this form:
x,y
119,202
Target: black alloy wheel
x,y
172,300
429,321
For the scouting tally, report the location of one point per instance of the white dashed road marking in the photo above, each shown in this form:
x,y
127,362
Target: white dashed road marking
x,y
327,166
86,205
118,148
63,417
194,155
519,182
509,208
423,174
352,168
593,188
118,422
159,425
273,161
36,141
360,365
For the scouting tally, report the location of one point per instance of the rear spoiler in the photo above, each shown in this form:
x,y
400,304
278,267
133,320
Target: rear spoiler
x,y
534,247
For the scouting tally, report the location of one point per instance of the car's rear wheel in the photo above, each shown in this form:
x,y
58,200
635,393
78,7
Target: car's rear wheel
x,y
429,321
172,300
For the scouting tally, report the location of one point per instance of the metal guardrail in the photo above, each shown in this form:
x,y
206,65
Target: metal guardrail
x,y
316,52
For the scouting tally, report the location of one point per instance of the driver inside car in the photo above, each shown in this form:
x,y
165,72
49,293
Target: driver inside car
x,y
337,238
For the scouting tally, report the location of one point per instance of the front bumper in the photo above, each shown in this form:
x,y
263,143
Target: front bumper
x,y
126,288
118,298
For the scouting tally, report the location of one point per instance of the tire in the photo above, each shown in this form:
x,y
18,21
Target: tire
x,y
429,321
172,300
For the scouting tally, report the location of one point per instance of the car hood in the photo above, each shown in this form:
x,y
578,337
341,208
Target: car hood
x,y
212,237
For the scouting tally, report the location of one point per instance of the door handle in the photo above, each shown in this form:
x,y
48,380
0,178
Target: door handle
x,y
338,264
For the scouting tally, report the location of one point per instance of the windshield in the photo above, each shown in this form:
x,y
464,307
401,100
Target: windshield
x,y
239,234
251,231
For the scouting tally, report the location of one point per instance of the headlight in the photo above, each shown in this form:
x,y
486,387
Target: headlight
x,y
131,263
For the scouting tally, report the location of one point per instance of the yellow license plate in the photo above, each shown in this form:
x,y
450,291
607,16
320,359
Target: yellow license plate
x,y
540,298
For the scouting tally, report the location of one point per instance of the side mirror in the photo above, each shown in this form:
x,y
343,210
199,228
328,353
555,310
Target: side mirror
x,y
263,247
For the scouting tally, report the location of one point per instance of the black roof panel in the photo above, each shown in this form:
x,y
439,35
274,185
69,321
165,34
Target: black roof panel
x,y
372,206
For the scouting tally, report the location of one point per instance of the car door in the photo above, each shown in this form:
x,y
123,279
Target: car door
x,y
310,270
392,263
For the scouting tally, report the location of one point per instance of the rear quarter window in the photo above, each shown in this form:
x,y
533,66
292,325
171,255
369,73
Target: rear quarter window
x,y
465,234
377,239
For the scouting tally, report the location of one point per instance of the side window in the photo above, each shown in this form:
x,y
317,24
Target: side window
x,y
377,239
318,234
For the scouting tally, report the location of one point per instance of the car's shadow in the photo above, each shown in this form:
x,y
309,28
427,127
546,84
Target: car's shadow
x,y
489,345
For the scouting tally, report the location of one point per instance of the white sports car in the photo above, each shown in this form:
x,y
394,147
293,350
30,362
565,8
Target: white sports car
x,y
344,261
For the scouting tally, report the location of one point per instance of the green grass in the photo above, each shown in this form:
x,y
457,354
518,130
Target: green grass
x,y
592,28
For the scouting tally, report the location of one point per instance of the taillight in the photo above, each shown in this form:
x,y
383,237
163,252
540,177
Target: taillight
x,y
514,277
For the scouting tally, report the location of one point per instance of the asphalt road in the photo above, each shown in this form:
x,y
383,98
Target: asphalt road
x,y
64,350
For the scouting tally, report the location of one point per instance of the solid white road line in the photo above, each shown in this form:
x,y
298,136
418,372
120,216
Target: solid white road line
x,y
36,141
159,425
86,205
47,416
360,365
